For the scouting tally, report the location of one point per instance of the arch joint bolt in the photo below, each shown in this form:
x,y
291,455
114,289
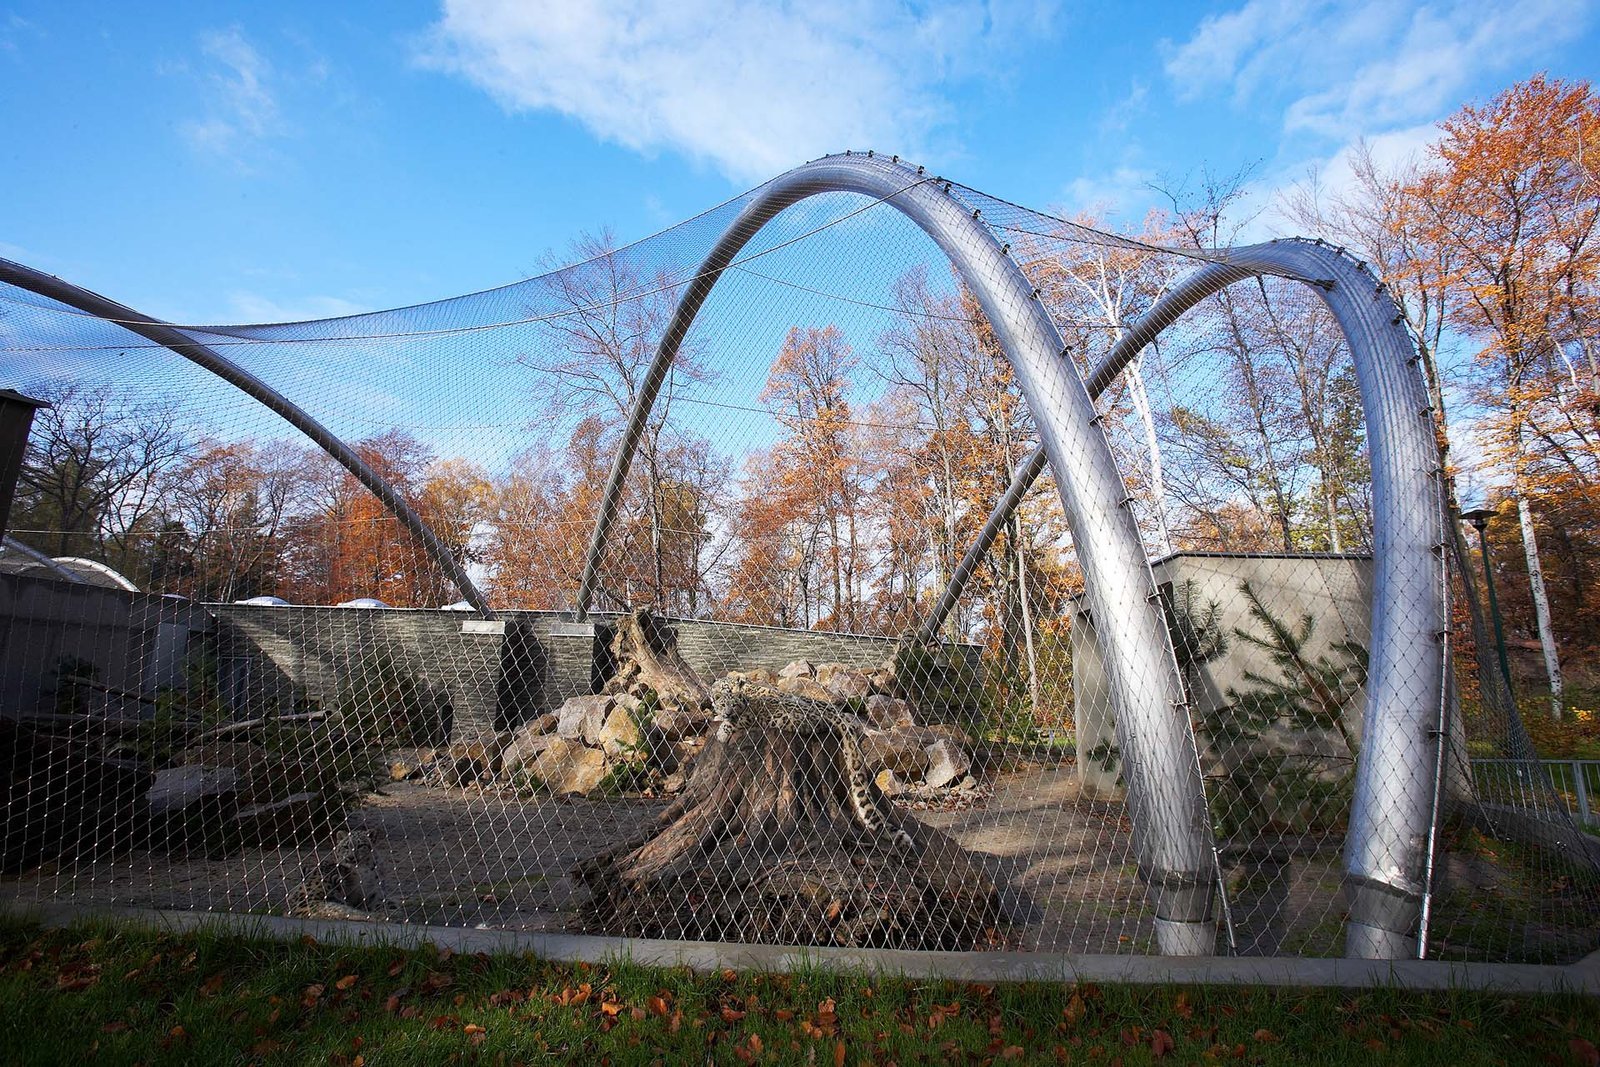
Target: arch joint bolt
x,y
210,359
1171,826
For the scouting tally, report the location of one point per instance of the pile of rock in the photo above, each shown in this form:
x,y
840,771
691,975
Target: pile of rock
x,y
577,748
619,741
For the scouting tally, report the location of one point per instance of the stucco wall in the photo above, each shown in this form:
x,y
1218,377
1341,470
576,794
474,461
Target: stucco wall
x,y
1336,591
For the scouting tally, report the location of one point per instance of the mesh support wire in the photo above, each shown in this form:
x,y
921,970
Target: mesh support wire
x,y
232,680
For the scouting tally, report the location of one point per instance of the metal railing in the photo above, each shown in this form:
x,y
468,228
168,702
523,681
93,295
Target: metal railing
x,y
1575,781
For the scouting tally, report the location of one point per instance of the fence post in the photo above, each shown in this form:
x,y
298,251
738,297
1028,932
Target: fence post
x,y
1581,788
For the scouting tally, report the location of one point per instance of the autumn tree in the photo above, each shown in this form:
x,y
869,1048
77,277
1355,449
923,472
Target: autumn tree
x,y
1508,208
610,312
98,463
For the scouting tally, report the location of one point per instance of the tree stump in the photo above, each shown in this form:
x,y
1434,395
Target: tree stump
x,y
782,837
644,656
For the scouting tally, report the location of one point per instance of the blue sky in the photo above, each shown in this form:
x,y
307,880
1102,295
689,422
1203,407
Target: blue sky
x,y
213,162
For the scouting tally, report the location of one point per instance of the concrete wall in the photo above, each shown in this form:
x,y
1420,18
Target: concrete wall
x,y
1336,591
478,676
493,676
137,644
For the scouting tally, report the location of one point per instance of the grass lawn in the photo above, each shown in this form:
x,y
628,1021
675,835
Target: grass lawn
x,y
116,995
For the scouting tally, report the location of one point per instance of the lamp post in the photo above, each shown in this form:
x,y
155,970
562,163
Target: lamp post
x,y
1479,517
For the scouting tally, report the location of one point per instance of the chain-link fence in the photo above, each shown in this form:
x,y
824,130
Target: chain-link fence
x,y
883,630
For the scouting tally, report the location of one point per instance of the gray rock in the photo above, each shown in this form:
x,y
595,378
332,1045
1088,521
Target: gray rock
x,y
178,788
889,783
797,669
295,818
580,715
569,767
676,724
947,762
846,684
888,713
896,752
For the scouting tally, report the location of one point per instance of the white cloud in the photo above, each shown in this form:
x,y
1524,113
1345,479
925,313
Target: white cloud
x,y
241,108
255,308
1121,195
1354,67
752,87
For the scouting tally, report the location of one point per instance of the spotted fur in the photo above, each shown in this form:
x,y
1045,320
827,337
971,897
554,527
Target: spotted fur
x,y
736,712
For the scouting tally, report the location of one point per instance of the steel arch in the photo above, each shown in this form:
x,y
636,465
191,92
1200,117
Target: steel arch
x,y
24,277
1172,836
1392,813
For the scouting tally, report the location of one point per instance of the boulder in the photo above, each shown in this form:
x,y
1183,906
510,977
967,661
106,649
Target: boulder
x,y
524,749
896,752
889,713
177,789
617,735
61,798
543,724
293,819
947,762
802,685
676,724
469,760
797,669
882,681
568,767
192,807
846,684
580,715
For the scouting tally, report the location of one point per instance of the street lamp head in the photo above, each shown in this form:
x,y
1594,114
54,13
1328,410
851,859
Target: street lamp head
x,y
1479,517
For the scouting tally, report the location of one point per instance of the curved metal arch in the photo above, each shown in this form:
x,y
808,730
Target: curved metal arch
x,y
161,333
1392,812
1172,836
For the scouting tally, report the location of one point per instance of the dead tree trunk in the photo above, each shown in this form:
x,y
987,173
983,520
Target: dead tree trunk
x,y
644,656
782,837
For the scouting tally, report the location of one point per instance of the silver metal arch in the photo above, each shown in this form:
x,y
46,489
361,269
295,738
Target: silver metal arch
x,y
1172,835
161,333
1392,811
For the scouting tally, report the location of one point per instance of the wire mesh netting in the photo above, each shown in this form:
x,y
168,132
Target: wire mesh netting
x,y
818,688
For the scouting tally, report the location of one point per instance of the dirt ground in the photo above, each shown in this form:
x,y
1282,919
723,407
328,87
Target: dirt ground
x,y
495,858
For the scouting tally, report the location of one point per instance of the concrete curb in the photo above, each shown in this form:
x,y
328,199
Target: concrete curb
x,y
1581,977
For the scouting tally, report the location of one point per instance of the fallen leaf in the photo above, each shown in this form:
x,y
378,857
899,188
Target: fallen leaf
x,y
346,982
755,1043
729,1015
212,985
838,1054
610,1008
1266,1037
113,1028
396,967
472,1028
1074,1010
1584,1052
1161,1043
783,1015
